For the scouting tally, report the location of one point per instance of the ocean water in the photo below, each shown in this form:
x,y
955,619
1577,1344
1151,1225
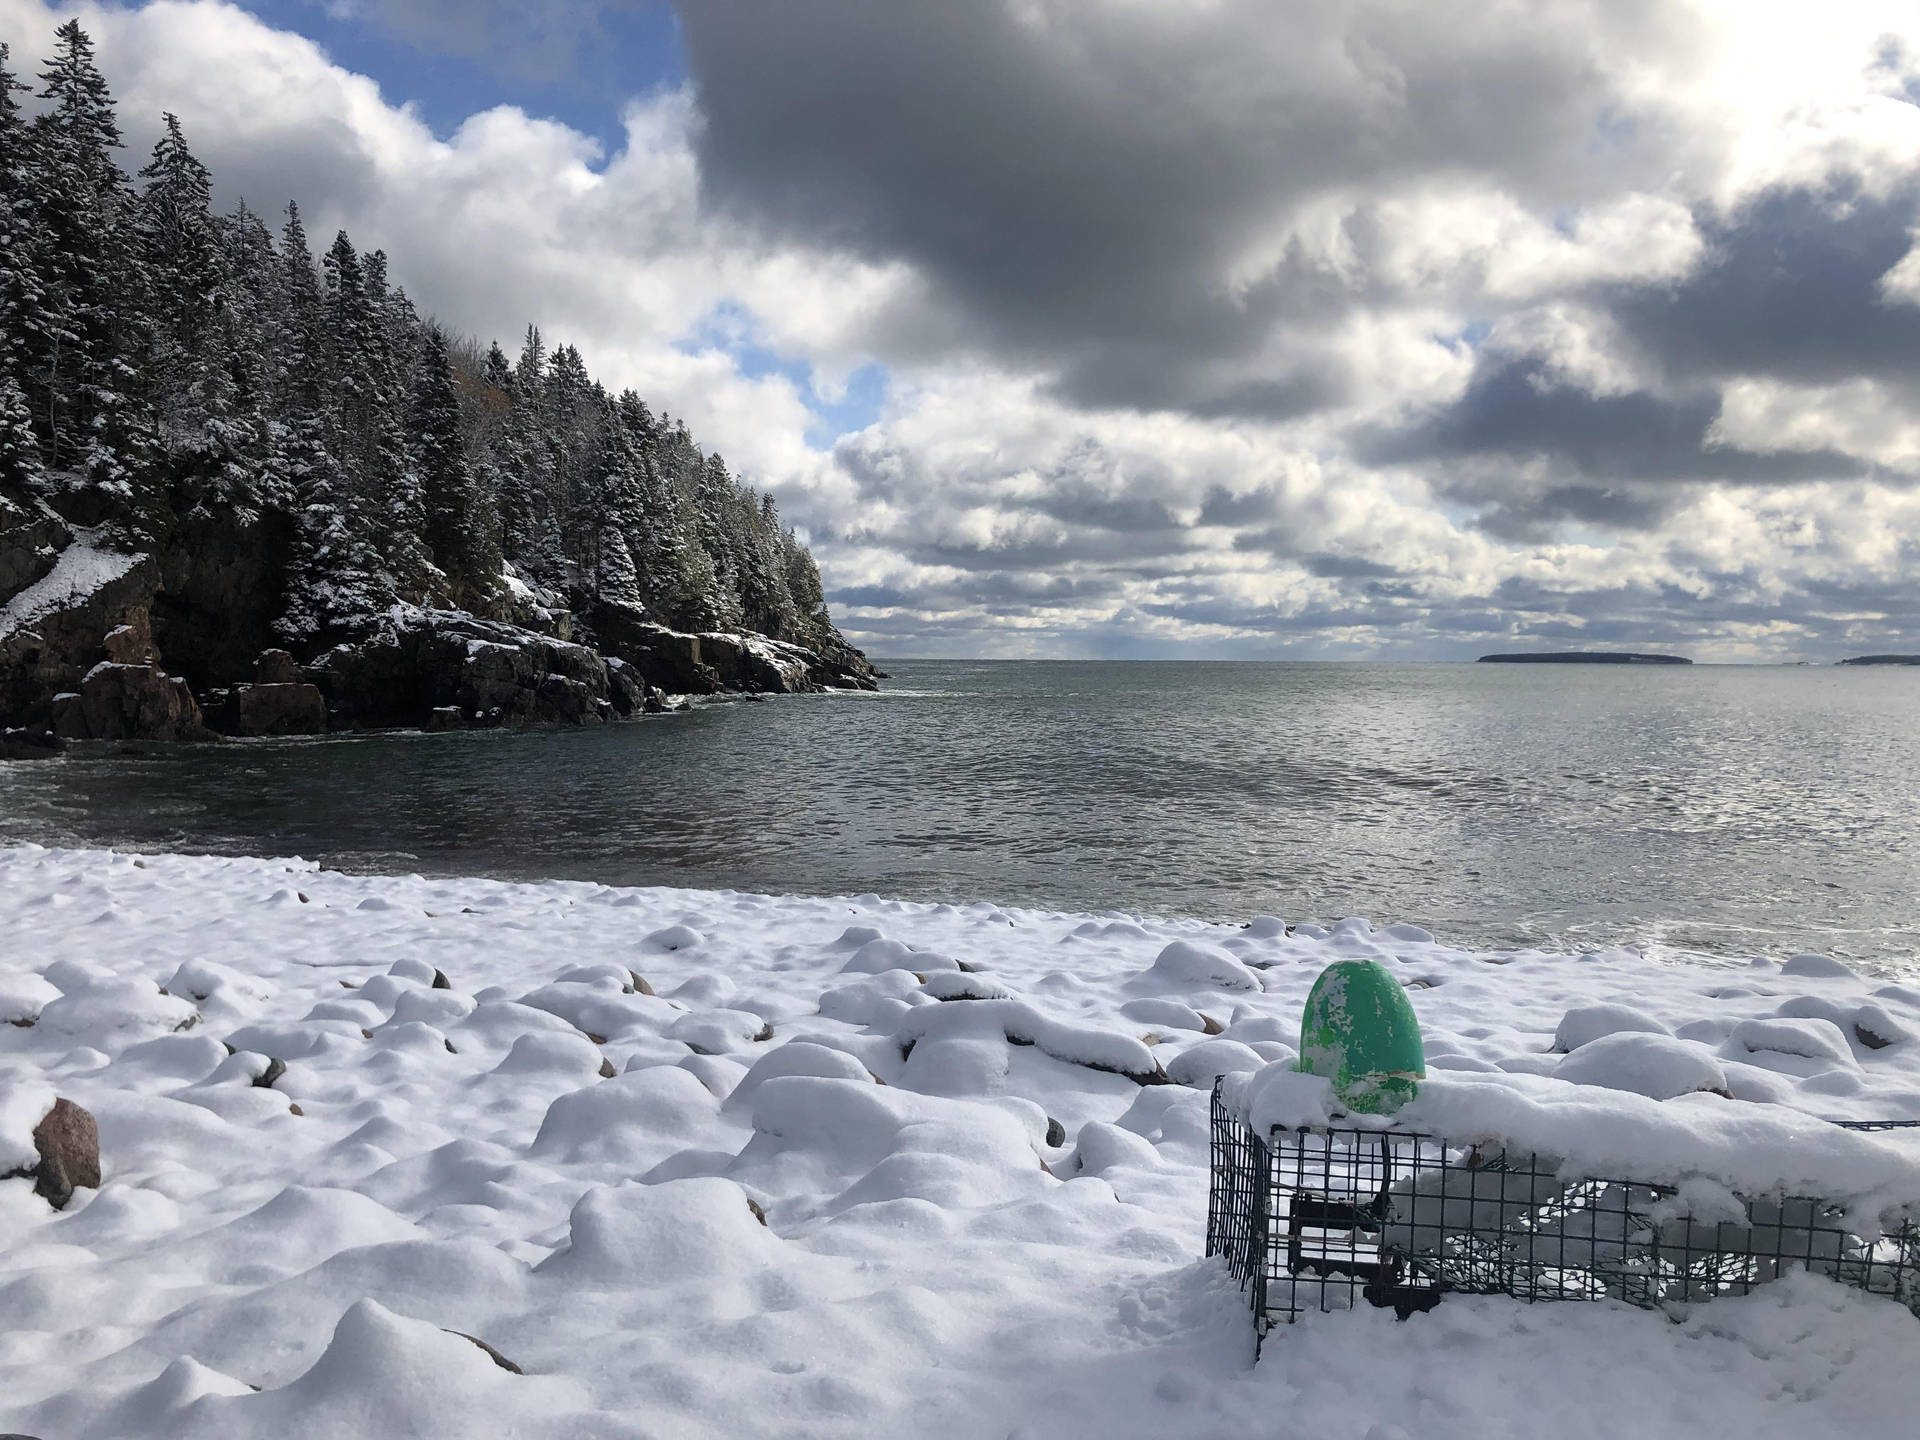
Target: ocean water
x,y
1727,811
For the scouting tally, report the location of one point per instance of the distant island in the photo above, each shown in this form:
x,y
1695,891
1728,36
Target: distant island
x,y
1586,657
1883,660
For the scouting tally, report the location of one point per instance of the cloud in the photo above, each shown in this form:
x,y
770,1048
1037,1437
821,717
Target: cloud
x,y
1203,327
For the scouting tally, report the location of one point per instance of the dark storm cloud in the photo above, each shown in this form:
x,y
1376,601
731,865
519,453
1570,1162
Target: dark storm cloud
x,y
1790,290
1514,408
1076,183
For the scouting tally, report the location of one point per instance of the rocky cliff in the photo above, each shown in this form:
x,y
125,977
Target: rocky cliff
x,y
97,643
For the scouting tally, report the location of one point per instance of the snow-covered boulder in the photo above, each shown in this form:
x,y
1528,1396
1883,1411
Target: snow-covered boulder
x,y
1200,1065
112,1013
1643,1063
620,1236
1820,1044
1584,1024
1185,965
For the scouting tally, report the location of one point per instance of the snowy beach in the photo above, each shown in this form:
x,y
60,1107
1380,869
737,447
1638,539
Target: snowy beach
x,y
705,1163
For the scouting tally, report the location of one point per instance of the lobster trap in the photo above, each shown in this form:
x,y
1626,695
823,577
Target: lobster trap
x,y
1326,1218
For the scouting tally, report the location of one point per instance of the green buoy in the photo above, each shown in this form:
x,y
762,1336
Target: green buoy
x,y
1359,1032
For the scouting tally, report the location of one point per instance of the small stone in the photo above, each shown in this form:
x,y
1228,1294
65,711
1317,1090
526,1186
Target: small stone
x,y
765,1032
758,1213
1056,1133
449,1044
607,1072
68,1141
295,1110
275,1069
1212,1026
440,981
640,985
597,1039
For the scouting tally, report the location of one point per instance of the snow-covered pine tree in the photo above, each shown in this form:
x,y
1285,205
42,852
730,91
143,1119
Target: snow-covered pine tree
x,y
716,511
654,539
812,625
89,343
300,379
615,503
19,447
182,254
390,469
369,439
529,527
19,281
334,579
770,606
462,531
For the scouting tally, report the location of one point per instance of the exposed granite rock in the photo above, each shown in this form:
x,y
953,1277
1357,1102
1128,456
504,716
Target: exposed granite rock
x,y
101,645
31,539
417,662
276,667
55,631
297,709
663,659
706,664
129,702
68,1142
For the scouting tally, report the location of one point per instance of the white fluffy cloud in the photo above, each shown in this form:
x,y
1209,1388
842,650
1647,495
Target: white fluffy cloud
x,y
1222,328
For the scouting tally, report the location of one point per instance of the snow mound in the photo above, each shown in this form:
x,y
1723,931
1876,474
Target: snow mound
x,y
1808,1039
1182,965
24,1103
385,1374
1200,1065
22,996
1584,1024
1644,1063
116,1013
1815,967
717,1032
959,985
680,1230
1021,1024
798,1057
633,1120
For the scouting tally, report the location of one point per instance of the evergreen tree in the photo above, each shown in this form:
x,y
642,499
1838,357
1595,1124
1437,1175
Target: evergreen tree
x,y
89,344
714,516
529,524
19,447
334,580
301,376
20,296
182,253
461,526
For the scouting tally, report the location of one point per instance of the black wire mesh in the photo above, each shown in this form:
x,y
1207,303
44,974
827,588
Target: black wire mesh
x,y
1323,1219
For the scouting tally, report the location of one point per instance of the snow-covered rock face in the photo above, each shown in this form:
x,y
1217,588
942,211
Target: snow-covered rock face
x,y
453,1111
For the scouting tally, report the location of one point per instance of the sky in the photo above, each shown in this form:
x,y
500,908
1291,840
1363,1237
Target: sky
x,y
1265,329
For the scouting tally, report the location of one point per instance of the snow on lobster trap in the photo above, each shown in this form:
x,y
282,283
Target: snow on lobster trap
x,y
1324,1217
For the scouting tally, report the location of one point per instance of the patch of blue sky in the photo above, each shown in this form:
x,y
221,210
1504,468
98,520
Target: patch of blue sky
x,y
836,412
1471,335
624,51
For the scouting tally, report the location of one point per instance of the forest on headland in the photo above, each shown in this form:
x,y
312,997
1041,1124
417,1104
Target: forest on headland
x,y
214,446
